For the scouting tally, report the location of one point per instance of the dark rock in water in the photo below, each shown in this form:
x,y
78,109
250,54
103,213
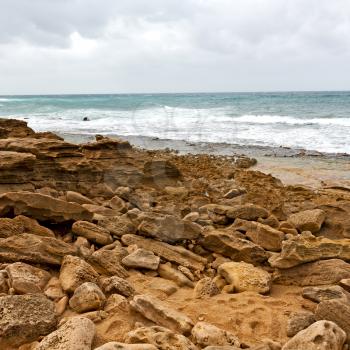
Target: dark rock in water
x,y
86,119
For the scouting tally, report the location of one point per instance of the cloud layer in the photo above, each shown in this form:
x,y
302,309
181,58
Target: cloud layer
x,y
96,46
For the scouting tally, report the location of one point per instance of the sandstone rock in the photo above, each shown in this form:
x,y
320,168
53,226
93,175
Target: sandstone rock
x,y
117,285
108,262
337,311
24,278
345,283
262,235
87,297
92,232
116,302
161,314
98,211
224,347
299,321
246,277
118,225
176,254
168,272
232,246
41,207
53,289
34,249
206,287
205,334
118,204
250,212
8,228
321,335
142,258
122,346
308,220
313,274
76,197
318,294
160,337
32,226
24,318
77,333
163,285
194,216
168,228
74,272
4,287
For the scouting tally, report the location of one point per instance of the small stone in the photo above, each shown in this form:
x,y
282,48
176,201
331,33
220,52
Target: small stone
x,y
115,302
92,232
142,258
299,321
122,346
168,272
206,287
53,289
117,285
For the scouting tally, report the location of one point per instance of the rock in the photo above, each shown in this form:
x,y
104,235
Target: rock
x,y
321,335
74,272
99,211
32,226
345,283
118,226
161,173
225,347
176,254
313,274
246,277
87,297
168,228
77,333
249,212
206,287
4,286
53,289
306,248
262,235
337,311
161,314
117,285
76,197
234,247
92,232
8,228
162,285
194,216
24,318
108,262
61,305
116,302
41,207
205,334
24,278
299,321
168,272
122,346
308,220
118,204
162,338
34,249
142,258
318,294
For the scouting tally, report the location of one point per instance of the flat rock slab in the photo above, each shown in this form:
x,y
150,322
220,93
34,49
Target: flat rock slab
x,y
42,207
161,314
308,220
24,318
77,333
34,249
142,258
322,293
92,232
314,274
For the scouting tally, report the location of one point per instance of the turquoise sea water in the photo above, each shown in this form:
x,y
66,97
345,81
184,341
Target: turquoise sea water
x,y
311,120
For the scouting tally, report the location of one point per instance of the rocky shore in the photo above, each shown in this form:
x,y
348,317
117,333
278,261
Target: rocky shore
x,y
106,246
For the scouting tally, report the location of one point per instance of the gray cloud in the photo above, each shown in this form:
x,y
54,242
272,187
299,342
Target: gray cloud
x,y
166,45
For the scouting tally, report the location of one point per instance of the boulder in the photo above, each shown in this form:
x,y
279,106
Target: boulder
x,y
87,297
234,247
246,277
24,278
74,272
299,321
92,232
161,314
42,207
321,335
322,293
117,285
205,334
77,333
34,249
306,248
314,274
143,259
308,220
24,318
162,338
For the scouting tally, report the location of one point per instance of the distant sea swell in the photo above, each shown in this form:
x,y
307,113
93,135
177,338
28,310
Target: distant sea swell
x,y
310,120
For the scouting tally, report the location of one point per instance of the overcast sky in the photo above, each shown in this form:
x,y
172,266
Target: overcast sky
x,y
106,46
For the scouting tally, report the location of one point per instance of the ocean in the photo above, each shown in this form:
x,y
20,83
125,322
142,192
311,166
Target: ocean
x,y
317,121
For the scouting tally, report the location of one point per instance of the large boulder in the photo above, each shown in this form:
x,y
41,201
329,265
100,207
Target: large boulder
x,y
308,220
77,333
42,207
246,277
34,249
161,314
92,232
321,335
24,318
